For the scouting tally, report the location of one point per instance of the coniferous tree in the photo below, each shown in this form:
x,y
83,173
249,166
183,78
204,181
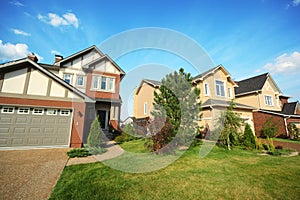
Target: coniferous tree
x,y
178,100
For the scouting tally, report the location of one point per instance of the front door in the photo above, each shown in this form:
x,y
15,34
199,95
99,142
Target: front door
x,y
102,117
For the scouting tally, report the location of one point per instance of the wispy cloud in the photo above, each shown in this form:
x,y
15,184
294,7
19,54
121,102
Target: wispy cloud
x,y
20,32
17,3
285,64
10,51
293,3
55,52
66,19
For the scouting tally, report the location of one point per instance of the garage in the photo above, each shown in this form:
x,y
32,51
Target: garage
x,y
35,126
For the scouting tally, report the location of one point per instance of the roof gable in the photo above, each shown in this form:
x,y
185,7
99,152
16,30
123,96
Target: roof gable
x,y
203,75
152,83
252,84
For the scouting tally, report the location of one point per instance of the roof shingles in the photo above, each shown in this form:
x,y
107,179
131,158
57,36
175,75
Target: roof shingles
x,y
251,84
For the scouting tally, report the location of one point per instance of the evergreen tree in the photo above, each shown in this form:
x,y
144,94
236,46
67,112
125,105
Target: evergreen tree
x,y
249,138
94,138
229,128
178,101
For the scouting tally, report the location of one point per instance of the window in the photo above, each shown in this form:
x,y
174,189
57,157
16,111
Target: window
x,y
23,111
145,108
103,83
51,112
95,82
206,89
67,78
111,84
220,88
268,100
229,93
80,80
65,112
7,110
38,111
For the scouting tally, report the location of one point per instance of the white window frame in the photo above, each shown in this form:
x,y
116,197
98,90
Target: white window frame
x,y
145,108
267,101
7,110
220,87
229,90
206,89
62,112
51,112
38,113
94,78
105,87
66,74
83,80
111,80
21,111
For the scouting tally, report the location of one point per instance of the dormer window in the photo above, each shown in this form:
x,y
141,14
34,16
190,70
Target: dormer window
x,y
220,89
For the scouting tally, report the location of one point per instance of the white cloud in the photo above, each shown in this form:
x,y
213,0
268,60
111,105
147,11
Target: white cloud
x,y
296,2
10,51
56,20
55,52
16,3
20,32
285,64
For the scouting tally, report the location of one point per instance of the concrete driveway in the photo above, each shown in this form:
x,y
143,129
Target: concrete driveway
x,y
30,174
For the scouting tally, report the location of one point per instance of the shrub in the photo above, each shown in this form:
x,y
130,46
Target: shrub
x,y
259,145
94,140
294,131
279,147
96,150
78,152
249,138
127,135
270,128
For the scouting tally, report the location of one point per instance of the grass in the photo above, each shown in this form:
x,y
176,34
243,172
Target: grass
x,y
222,174
286,140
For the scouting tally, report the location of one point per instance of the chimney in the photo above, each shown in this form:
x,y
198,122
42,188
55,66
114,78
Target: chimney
x,y
33,57
58,58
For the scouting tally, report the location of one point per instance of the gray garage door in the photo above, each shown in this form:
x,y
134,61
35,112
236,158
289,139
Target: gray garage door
x,y
27,126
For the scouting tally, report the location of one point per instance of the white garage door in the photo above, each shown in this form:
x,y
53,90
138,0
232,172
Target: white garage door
x,y
27,126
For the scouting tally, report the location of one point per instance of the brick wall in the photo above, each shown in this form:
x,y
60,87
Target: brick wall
x,y
260,118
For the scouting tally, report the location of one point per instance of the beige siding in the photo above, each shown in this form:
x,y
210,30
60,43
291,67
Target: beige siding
x,y
38,83
144,96
250,100
269,89
57,90
10,80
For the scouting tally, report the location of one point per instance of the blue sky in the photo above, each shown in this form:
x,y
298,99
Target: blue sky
x,y
248,37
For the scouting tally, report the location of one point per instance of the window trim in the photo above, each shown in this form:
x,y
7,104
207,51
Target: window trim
x,y
106,78
33,111
95,77
271,98
83,80
206,90
145,108
224,86
23,113
48,113
8,107
229,91
70,77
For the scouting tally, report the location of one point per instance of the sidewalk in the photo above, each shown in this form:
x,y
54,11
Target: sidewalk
x,y
112,150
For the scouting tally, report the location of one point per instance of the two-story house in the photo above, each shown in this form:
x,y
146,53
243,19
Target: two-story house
x,y
217,91
262,93
47,105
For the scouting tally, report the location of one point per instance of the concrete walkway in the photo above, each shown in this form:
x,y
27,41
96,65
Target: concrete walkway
x,y
113,151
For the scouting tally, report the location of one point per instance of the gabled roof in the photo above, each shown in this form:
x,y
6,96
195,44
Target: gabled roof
x,y
253,84
290,108
49,74
84,51
222,103
202,76
152,83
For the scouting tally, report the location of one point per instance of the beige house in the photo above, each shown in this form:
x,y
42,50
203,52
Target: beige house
x,y
262,93
144,97
217,91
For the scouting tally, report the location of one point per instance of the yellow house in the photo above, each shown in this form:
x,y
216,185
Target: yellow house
x,y
217,91
144,97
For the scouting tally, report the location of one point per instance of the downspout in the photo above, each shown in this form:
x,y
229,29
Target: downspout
x,y
285,125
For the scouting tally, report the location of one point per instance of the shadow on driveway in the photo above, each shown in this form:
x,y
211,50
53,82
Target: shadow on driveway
x,y
30,174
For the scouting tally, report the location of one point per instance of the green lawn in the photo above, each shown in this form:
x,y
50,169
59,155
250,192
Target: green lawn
x,y
221,174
